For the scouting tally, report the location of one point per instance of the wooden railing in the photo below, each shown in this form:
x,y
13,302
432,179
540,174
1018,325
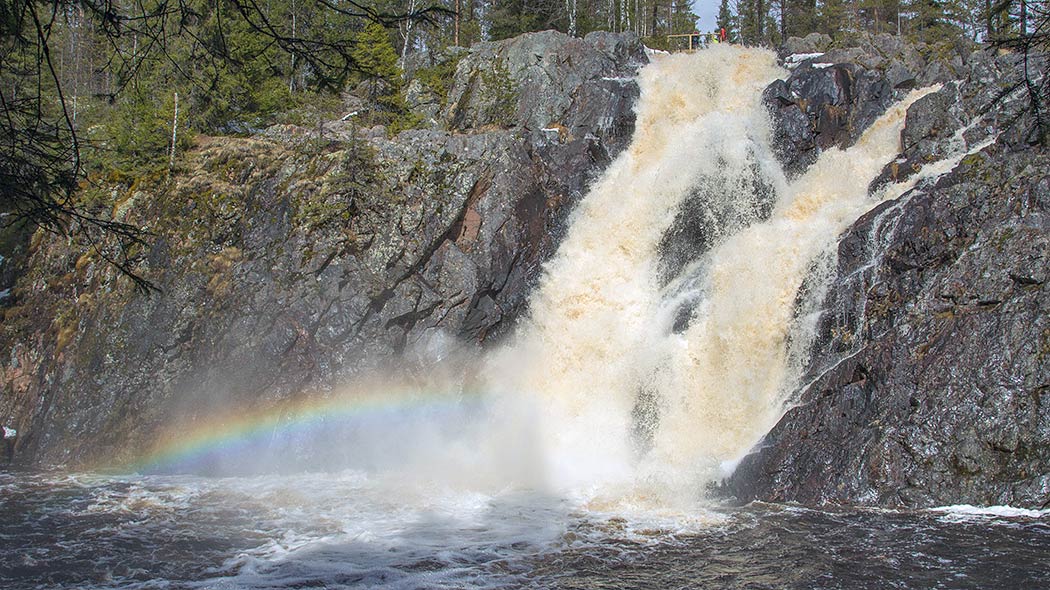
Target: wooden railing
x,y
692,42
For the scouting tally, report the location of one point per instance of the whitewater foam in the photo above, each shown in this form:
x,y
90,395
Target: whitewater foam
x,y
967,512
598,353
636,377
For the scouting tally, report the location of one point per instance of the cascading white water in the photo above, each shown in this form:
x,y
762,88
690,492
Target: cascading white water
x,y
650,360
599,339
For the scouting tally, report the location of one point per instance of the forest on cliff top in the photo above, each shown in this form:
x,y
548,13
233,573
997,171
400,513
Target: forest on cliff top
x,y
97,92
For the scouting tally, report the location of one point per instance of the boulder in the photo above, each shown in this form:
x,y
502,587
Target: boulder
x,y
811,43
929,379
962,114
831,99
824,104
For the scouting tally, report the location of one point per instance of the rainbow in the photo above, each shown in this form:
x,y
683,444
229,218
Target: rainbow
x,y
181,445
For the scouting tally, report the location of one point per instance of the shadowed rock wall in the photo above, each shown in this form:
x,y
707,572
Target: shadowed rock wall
x,y
294,261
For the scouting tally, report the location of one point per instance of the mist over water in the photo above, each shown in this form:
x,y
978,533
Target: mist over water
x,y
664,339
351,531
654,375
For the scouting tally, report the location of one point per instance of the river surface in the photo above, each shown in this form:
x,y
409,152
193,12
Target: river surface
x,y
647,366
353,530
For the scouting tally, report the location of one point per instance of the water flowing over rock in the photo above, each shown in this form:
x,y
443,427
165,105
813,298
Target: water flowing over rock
x,y
930,383
859,237
296,260
929,380
834,94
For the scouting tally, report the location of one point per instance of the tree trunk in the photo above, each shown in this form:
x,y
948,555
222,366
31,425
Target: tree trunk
x,y
760,21
655,14
989,22
174,135
291,71
783,20
407,32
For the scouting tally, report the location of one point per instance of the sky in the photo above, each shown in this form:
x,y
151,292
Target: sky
x,y
707,10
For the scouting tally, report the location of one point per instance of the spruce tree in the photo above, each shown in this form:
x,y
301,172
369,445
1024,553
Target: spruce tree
x,y
799,18
753,18
377,61
510,18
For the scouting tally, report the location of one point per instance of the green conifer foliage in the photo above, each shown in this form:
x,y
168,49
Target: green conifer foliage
x,y
799,18
377,60
510,18
381,77
753,18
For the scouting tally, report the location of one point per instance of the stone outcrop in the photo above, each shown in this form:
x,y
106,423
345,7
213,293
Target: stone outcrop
x,y
834,94
294,261
553,88
929,383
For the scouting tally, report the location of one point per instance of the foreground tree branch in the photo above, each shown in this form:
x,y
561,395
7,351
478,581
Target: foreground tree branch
x,y
41,164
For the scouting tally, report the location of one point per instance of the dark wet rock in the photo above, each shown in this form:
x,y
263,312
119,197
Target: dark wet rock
x,y
930,381
295,261
964,113
900,77
831,98
709,215
823,105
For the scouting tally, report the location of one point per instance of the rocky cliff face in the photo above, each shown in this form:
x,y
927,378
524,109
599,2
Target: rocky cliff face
x,y
930,381
291,262
296,260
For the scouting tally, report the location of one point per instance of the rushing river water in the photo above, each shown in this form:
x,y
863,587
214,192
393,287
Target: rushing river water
x,y
576,455
351,530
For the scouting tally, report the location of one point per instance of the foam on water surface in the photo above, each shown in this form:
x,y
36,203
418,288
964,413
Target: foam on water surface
x,y
629,386
633,382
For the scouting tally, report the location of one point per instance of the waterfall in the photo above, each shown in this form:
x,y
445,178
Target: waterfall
x,y
665,335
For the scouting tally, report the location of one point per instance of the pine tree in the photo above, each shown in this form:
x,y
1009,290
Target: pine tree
x,y
832,17
682,20
230,61
510,18
377,61
799,18
753,17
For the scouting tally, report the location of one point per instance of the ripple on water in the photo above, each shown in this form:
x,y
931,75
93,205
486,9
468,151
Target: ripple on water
x,y
353,531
